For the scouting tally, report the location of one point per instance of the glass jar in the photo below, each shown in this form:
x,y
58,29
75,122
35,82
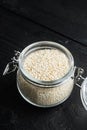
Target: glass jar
x,y
45,93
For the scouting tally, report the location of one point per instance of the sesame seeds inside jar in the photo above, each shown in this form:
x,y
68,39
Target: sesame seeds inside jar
x,y
46,64
41,69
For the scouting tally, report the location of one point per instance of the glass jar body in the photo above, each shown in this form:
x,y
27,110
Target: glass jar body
x,y
45,93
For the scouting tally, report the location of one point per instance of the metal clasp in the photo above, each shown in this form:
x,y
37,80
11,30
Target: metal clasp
x,y
13,65
78,76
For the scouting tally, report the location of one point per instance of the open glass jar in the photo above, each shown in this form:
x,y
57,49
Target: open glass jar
x,y
46,93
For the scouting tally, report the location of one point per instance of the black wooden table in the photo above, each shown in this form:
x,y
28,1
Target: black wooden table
x,y
22,23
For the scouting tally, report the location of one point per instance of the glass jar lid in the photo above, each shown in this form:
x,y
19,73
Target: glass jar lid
x,y
81,82
83,93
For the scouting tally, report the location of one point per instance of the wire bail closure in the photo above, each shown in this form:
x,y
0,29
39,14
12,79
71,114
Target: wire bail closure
x,y
13,65
78,76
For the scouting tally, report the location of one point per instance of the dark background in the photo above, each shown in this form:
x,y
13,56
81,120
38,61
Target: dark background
x,y
23,22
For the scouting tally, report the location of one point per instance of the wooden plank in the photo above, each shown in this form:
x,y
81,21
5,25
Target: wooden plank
x,y
65,17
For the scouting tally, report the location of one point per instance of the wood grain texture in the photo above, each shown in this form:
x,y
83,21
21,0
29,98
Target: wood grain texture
x,y
16,32
68,18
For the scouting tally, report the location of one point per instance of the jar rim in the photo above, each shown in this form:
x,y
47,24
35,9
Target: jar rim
x,y
44,44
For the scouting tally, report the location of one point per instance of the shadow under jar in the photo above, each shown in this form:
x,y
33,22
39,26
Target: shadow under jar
x,y
45,93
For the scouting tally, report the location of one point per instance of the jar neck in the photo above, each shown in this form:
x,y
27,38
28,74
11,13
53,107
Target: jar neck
x,y
44,45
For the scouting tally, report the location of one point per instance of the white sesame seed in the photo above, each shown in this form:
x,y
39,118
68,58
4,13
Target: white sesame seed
x,y
47,64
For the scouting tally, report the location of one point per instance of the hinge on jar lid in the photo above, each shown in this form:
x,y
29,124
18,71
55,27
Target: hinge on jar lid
x,y
78,76
13,65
